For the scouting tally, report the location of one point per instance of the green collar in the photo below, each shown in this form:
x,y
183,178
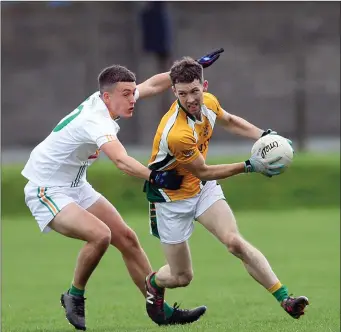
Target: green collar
x,y
188,114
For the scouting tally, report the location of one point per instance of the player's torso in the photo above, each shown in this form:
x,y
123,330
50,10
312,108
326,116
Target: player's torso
x,y
63,157
177,121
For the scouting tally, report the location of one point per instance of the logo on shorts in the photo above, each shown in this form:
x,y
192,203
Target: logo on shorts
x,y
187,153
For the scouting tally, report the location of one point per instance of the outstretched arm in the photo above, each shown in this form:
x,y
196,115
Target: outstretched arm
x,y
154,85
205,172
161,82
119,156
184,148
239,126
255,163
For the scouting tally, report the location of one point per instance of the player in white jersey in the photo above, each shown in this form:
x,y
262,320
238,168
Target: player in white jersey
x,y
60,198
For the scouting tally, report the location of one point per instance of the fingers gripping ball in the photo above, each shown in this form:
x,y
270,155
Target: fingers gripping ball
x,y
272,146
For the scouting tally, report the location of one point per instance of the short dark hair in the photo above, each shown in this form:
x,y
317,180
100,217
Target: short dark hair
x,y
112,75
186,70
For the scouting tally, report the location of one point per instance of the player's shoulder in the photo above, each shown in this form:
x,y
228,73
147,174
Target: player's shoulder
x,y
210,100
94,107
180,132
170,118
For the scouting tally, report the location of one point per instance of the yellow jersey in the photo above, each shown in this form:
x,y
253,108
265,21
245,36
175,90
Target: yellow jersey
x,y
179,139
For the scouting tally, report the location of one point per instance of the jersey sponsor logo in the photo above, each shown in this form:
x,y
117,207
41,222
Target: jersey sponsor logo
x,y
205,131
187,153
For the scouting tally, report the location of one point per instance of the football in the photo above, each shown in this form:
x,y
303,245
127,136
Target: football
x,y
271,146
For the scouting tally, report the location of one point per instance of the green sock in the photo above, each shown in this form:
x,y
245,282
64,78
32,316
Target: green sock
x,y
167,309
154,284
76,291
281,294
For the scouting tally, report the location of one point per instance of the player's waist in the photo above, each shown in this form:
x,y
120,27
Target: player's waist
x,y
41,182
158,195
59,178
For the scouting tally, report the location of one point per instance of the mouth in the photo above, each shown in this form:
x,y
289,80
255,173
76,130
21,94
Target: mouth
x,y
192,107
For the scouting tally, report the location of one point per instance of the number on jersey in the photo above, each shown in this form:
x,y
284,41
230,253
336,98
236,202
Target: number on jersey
x,y
66,120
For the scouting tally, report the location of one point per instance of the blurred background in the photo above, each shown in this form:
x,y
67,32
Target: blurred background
x,y
280,69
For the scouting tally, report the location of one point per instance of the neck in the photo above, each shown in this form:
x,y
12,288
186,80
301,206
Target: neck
x,y
113,115
198,116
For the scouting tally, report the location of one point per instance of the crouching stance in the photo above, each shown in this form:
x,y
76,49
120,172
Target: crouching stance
x,y
181,144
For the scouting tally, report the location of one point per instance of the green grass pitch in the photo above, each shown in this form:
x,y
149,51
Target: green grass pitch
x,y
302,246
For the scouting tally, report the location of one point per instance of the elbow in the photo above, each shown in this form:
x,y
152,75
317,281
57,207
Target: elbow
x,y
204,177
202,174
120,164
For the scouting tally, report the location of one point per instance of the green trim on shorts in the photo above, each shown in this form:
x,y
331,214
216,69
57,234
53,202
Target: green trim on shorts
x,y
153,220
50,204
51,200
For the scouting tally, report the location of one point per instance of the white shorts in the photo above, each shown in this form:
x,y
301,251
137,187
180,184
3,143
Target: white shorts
x,y
45,202
173,222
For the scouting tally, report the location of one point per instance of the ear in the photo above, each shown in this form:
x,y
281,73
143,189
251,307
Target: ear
x,y
205,86
174,91
106,97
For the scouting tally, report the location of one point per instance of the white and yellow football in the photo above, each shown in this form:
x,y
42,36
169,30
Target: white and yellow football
x,y
271,146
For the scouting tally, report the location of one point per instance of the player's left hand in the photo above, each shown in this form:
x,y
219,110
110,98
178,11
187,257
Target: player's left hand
x,y
210,58
166,179
272,132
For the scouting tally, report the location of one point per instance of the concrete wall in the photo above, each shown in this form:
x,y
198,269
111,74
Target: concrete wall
x,y
51,58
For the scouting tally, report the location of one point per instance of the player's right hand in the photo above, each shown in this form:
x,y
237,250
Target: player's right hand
x,y
272,132
166,179
267,167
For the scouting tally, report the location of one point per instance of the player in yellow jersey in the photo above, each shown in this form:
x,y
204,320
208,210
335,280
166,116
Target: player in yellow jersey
x,y
181,143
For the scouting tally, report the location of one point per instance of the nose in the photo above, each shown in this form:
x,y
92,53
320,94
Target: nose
x,y
190,99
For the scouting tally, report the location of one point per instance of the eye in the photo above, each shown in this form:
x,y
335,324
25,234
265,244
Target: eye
x,y
182,94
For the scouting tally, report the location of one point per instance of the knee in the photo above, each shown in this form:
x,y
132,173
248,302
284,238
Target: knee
x,y
103,237
184,279
235,244
126,241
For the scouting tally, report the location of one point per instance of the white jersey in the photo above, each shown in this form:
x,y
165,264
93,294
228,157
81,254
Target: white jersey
x,y
73,145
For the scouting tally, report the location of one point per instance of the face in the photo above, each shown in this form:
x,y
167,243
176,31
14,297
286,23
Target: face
x,y
191,95
121,101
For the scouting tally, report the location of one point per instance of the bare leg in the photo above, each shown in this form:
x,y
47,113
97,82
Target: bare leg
x,y
75,222
125,240
178,272
220,221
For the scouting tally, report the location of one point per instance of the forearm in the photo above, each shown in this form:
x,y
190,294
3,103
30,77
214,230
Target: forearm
x,y
217,172
154,85
132,167
243,128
